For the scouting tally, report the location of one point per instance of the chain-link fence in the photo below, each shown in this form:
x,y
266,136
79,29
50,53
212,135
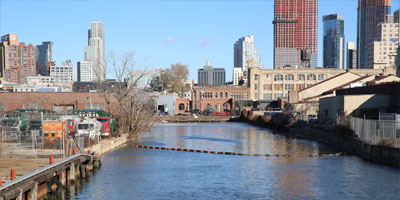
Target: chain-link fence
x,y
34,144
377,132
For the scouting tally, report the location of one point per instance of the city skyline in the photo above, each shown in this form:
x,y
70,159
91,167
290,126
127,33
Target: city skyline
x,y
170,42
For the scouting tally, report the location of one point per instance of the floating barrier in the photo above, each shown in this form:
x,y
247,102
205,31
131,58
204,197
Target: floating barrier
x,y
233,153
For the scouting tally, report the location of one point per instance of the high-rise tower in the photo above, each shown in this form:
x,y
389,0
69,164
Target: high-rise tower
x,y
95,51
244,56
333,52
295,28
370,14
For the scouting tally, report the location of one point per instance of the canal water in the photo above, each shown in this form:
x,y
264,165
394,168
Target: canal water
x,y
134,173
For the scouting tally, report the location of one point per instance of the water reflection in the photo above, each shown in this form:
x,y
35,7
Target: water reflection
x,y
131,173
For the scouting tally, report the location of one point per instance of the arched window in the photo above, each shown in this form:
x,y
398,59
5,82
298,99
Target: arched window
x,y
321,77
181,106
302,77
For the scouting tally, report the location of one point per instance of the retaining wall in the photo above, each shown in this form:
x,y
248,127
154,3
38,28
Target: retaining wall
x,y
109,144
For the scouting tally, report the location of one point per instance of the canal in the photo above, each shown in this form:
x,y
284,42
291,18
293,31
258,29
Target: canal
x,y
134,173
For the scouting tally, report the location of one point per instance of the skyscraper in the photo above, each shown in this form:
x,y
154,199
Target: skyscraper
x,y
351,56
95,51
244,51
295,28
44,55
17,60
333,52
370,14
244,56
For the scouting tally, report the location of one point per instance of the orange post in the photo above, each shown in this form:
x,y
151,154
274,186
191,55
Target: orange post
x,y
89,152
13,174
51,160
73,151
1,183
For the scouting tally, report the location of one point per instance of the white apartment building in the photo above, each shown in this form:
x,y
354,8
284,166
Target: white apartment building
x,y
245,54
60,75
237,74
63,74
86,72
384,49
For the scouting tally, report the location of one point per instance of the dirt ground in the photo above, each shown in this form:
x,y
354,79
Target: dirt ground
x,y
21,165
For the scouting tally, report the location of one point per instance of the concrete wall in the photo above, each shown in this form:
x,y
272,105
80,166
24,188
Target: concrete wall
x,y
109,144
347,104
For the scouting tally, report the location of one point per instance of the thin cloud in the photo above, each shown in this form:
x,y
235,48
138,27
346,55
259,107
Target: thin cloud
x,y
207,42
170,40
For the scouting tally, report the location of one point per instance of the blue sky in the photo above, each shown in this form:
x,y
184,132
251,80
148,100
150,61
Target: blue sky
x,y
160,32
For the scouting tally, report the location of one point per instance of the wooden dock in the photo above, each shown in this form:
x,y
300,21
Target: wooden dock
x,y
49,179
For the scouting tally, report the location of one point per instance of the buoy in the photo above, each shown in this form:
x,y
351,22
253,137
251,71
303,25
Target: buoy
x,y
175,149
137,146
51,160
1,183
73,151
148,147
154,147
90,152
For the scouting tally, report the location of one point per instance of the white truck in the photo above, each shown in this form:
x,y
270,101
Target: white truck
x,y
89,127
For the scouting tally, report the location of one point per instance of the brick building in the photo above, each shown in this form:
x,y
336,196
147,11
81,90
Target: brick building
x,y
9,101
218,98
17,60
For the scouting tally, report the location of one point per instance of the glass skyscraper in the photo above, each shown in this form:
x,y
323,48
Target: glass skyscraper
x,y
44,55
333,52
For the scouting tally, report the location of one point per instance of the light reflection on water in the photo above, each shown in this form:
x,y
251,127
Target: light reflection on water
x,y
130,173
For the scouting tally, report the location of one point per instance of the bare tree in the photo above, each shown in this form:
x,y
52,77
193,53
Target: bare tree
x,y
135,110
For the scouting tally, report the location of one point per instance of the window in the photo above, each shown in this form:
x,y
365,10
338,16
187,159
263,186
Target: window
x,y
289,86
321,77
33,106
95,106
311,77
181,106
301,77
267,96
267,86
226,95
278,95
278,77
289,77
278,86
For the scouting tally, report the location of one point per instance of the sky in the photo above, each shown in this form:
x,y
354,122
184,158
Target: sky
x,y
161,33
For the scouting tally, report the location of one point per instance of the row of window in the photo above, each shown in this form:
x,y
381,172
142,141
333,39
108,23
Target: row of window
x,y
291,77
267,87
